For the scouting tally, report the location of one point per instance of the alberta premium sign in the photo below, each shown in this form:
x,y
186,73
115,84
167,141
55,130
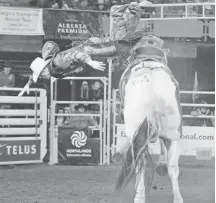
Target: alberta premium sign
x,y
60,24
19,150
72,28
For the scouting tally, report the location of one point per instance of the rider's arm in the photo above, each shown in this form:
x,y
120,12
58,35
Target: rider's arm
x,y
104,49
26,88
81,56
77,55
84,58
30,81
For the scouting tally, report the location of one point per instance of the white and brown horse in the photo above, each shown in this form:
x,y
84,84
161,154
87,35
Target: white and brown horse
x,y
151,111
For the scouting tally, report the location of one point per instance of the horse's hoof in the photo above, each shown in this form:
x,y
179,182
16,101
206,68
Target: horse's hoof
x,y
178,201
139,200
161,169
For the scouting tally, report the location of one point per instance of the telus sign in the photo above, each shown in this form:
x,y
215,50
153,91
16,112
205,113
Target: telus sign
x,y
20,150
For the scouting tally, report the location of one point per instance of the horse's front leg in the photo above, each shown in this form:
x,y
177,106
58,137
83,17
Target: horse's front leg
x,y
173,170
140,196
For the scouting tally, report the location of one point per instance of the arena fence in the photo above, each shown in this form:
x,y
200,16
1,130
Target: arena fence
x,y
163,11
196,141
102,115
23,126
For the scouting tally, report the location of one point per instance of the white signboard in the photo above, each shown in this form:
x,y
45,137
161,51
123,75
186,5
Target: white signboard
x,y
20,21
195,140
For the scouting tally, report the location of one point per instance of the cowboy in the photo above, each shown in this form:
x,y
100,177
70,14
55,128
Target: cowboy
x,y
58,64
81,121
62,64
7,79
202,111
84,91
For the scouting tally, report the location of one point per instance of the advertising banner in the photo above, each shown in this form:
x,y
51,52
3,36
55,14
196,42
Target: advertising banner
x,y
19,150
61,24
198,141
195,141
76,148
21,21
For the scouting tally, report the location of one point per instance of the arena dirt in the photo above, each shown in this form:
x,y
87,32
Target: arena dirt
x,y
95,184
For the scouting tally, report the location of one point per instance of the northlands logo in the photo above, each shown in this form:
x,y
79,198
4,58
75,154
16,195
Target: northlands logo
x,y
78,139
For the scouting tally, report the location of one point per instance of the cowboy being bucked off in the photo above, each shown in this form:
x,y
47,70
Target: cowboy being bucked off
x,y
60,64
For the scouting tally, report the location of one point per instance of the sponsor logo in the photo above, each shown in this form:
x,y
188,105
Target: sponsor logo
x,y
72,28
78,139
17,149
71,19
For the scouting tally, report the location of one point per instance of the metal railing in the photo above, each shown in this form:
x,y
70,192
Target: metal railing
x,y
185,7
162,11
102,124
115,102
23,126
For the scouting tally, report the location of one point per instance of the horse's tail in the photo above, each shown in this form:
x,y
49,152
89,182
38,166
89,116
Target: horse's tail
x,y
138,154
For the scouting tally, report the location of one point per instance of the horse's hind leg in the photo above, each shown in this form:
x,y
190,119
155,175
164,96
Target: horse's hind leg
x,y
161,168
140,184
163,154
171,140
173,169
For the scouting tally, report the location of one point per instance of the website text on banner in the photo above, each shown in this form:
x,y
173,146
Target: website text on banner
x,y
21,21
193,139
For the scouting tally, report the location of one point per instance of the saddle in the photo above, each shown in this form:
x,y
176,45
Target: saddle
x,y
148,49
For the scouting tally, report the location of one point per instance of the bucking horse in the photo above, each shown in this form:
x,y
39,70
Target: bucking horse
x,y
150,98
149,93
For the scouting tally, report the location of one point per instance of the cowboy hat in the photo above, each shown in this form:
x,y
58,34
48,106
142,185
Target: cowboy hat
x,y
81,106
145,3
37,66
7,64
147,6
84,83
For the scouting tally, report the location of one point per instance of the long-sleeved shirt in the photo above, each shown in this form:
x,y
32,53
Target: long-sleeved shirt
x,y
125,19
